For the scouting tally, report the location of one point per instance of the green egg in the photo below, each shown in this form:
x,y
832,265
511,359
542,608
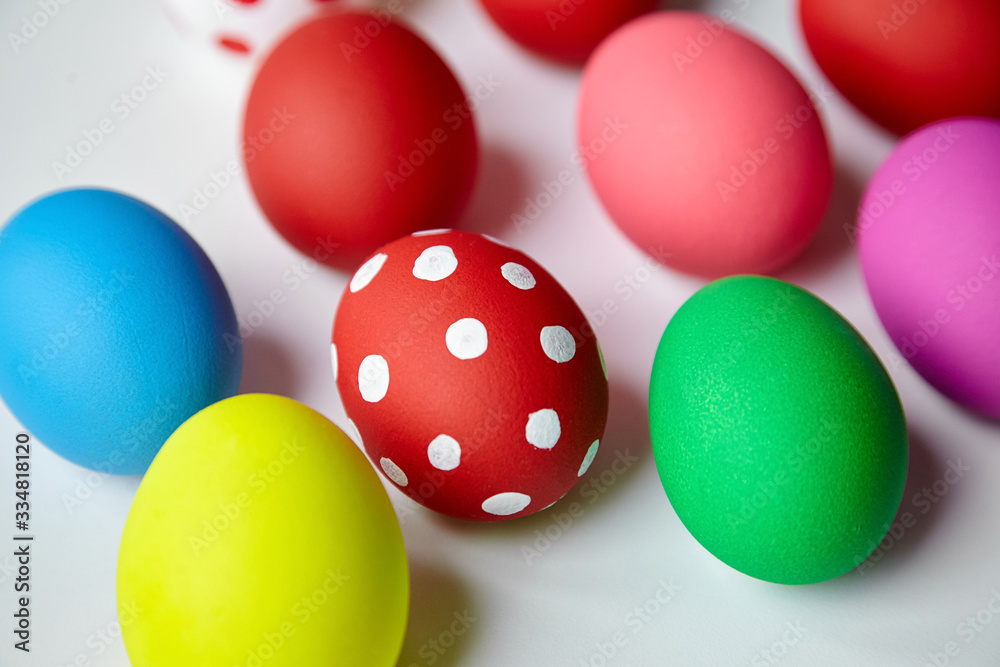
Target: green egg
x,y
778,435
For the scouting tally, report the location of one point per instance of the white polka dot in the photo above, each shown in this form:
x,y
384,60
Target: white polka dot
x,y
367,271
505,504
543,429
589,458
357,433
466,338
430,232
444,452
558,344
333,359
393,472
600,353
435,263
517,275
496,240
373,378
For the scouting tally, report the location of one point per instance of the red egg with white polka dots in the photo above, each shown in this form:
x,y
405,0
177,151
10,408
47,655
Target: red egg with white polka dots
x,y
241,27
470,375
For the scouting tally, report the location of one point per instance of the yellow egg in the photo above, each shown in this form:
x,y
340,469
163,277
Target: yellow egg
x,y
261,537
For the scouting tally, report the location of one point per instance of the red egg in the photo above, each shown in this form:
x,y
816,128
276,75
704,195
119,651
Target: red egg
x,y
473,379
907,63
566,30
356,132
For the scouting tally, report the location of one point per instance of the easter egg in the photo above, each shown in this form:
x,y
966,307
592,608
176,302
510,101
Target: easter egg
x,y
356,133
929,241
113,328
562,29
472,377
777,433
241,27
261,536
702,146
906,63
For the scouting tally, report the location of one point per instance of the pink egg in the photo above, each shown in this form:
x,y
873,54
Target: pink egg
x,y
929,238
701,144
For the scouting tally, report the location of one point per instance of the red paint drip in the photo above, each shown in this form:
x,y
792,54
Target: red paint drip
x,y
234,44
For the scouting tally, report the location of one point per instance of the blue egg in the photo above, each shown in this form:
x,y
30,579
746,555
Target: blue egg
x,y
113,328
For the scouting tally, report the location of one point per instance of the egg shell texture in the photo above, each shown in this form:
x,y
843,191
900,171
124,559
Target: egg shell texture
x,y
778,435
113,326
702,146
260,523
522,419
351,142
929,242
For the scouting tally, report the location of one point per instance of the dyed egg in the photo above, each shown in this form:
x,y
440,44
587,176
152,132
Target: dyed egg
x,y
929,242
906,63
261,536
777,433
243,27
113,328
472,377
356,133
702,146
563,29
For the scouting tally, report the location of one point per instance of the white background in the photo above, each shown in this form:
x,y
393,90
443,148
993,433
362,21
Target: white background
x,y
583,586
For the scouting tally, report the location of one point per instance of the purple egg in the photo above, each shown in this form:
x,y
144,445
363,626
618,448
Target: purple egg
x,y
929,240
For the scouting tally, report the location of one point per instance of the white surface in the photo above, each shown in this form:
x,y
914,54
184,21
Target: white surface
x,y
614,545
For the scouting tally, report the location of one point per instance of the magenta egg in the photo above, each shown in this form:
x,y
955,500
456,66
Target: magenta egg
x,y
929,239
